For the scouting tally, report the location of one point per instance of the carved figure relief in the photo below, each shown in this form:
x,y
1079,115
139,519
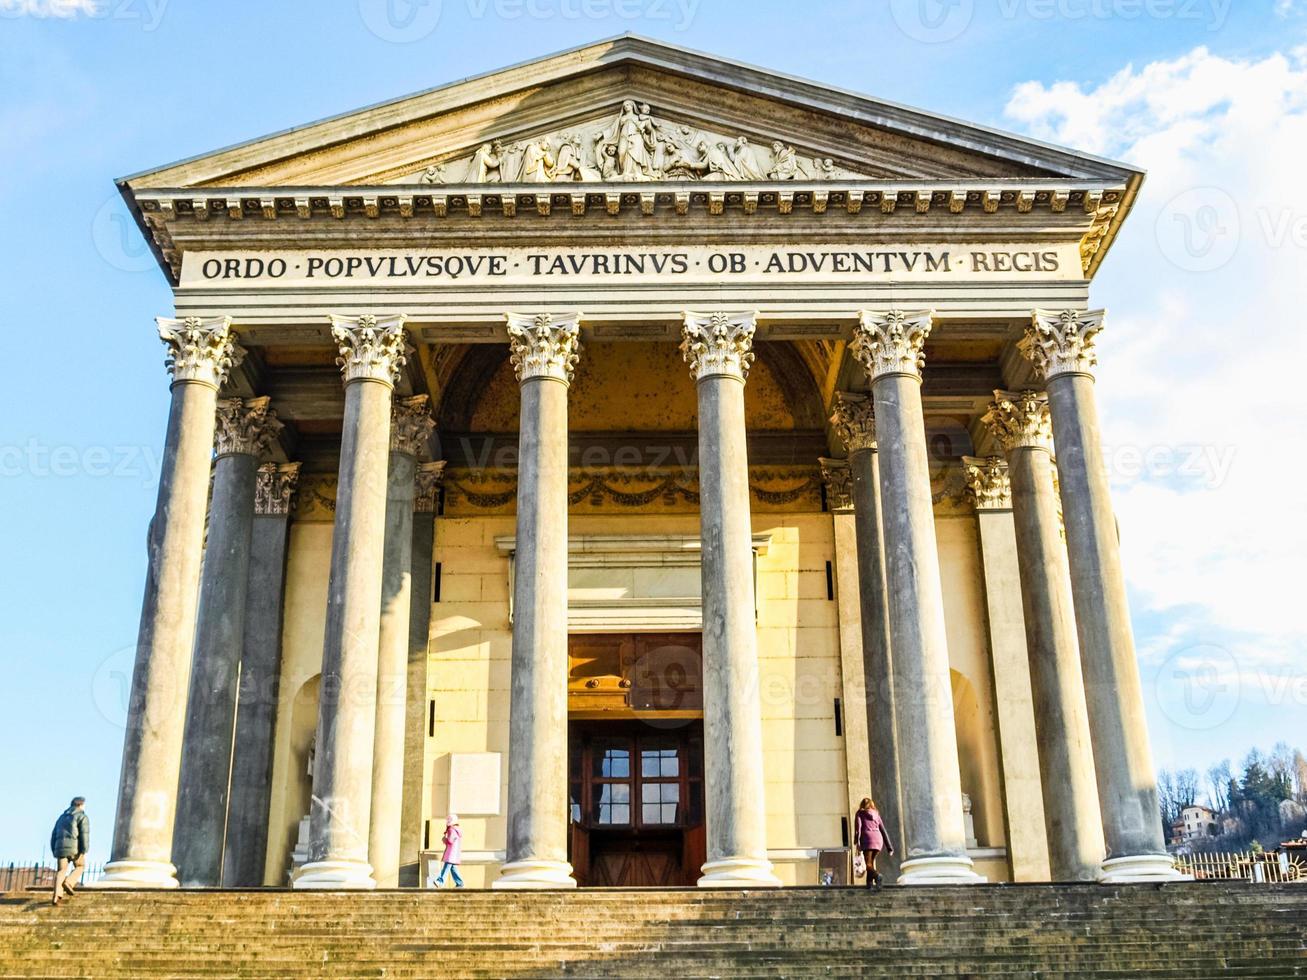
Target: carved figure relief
x,y
632,146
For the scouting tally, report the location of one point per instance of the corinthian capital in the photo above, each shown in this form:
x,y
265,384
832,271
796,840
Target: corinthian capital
x,y
427,486
854,421
372,348
1063,341
838,480
200,348
718,344
891,343
988,483
245,426
275,488
1020,420
542,345
411,425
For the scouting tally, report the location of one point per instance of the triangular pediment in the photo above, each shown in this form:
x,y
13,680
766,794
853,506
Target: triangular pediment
x,y
629,109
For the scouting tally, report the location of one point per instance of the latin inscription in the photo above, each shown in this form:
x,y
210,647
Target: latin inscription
x,y
759,263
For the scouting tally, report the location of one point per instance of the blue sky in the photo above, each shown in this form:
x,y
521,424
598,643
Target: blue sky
x,y
1202,403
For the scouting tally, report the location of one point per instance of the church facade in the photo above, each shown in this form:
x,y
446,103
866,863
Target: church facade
x,y
645,457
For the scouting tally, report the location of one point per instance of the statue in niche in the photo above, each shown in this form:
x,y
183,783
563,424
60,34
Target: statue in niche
x,y
537,163
486,163
786,165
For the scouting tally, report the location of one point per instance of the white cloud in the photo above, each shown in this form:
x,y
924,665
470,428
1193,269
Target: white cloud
x,y
1205,345
49,8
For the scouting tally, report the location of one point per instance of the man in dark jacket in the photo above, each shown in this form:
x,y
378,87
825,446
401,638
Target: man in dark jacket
x,y
69,842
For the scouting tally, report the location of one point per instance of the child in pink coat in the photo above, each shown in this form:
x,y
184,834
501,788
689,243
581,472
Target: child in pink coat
x,y
453,856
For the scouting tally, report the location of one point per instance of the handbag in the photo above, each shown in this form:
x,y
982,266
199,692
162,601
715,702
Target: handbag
x,y
859,866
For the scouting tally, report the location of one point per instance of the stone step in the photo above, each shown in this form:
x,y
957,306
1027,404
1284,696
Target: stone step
x,y
1000,931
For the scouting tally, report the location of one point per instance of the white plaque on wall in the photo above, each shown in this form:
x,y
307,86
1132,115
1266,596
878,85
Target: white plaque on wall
x,y
474,783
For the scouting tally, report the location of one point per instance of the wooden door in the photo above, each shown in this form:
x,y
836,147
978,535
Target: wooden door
x,y
637,804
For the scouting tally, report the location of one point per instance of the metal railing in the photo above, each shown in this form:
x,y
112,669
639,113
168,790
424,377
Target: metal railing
x,y
15,877
1259,868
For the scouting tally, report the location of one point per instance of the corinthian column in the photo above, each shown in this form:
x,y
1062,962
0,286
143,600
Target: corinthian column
x,y
200,353
411,426
245,430
1060,344
544,350
1020,422
855,423
372,351
889,347
425,506
256,704
719,349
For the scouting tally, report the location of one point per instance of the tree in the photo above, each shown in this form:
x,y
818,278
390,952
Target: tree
x,y
1218,785
1186,789
1300,776
1166,799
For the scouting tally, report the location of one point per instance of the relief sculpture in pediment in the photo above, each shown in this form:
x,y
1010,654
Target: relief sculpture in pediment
x,y
632,146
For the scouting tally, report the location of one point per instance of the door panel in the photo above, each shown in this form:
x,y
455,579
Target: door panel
x,y
636,803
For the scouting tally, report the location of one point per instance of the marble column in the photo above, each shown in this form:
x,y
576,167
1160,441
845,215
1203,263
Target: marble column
x,y
256,704
372,352
411,426
890,348
854,422
719,350
245,430
544,350
1027,839
1020,423
425,507
201,351
1061,345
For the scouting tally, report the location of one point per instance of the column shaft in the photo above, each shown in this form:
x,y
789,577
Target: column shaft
x,y
719,347
1027,835
1066,760
419,626
392,673
256,705
200,353
371,354
544,350
890,348
736,818
1061,344
211,707
342,776
537,760
1127,788
878,668
935,844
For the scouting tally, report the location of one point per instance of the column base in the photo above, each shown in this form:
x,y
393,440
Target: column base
x,y
137,874
1140,869
534,874
947,869
738,872
334,875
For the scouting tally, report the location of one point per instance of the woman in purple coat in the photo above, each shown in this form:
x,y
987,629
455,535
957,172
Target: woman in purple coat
x,y
872,837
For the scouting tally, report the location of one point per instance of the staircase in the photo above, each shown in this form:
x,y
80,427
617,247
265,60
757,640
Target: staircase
x,y
1189,930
